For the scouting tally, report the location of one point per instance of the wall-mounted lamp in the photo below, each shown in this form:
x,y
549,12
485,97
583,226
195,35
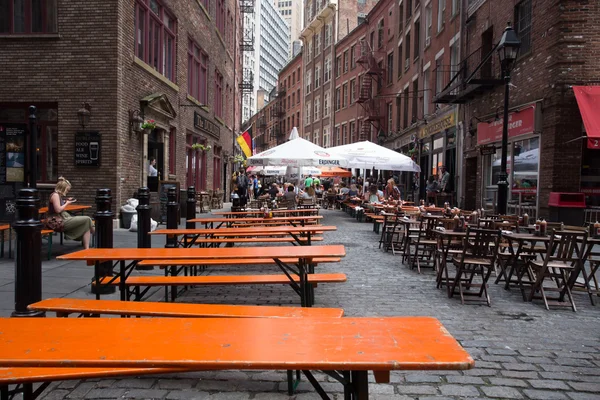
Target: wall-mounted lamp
x,y
84,114
135,120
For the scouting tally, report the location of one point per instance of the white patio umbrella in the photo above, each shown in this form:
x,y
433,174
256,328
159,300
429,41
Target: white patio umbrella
x,y
294,134
281,171
370,155
297,153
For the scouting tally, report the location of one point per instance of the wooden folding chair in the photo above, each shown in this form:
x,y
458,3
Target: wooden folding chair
x,y
480,249
425,244
563,258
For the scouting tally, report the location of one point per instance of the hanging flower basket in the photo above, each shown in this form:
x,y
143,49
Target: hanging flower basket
x,y
148,126
201,147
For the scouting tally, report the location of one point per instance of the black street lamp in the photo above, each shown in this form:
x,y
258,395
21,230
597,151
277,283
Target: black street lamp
x,y
508,49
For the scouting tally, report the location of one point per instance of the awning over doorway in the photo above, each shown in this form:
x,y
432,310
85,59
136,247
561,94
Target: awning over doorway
x,y
588,99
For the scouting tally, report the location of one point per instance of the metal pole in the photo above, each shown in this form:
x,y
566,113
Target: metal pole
x,y
143,211
191,208
32,148
503,178
104,236
172,211
28,262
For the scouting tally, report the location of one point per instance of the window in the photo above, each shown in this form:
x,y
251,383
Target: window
x,y
441,10
338,66
197,73
310,50
327,68
326,139
345,61
218,94
426,91
28,16
316,138
294,78
353,137
439,76
337,136
172,150
345,134
390,116
338,98
317,109
407,56
380,30
317,76
400,59
317,43
390,68
155,37
344,95
415,104
220,20
352,90
308,81
294,98
405,111
428,19
523,25
326,101
400,17
372,40
454,60
353,57
417,46
308,113
327,35
454,7
408,8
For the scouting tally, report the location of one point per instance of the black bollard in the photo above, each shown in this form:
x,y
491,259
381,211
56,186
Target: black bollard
x,y
28,261
104,236
144,210
172,211
191,208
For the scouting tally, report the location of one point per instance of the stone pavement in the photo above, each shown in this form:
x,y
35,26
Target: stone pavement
x,y
521,350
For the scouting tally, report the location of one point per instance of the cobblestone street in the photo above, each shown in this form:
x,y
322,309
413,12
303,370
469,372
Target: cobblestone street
x,y
522,351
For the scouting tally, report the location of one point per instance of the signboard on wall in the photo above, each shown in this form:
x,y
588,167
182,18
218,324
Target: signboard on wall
x,y
12,167
519,123
87,149
206,126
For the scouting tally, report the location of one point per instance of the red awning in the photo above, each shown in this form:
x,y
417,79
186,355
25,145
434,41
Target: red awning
x,y
588,98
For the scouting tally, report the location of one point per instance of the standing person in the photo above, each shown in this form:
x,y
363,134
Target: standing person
x,y
391,190
317,183
242,182
445,180
152,171
308,182
255,186
75,228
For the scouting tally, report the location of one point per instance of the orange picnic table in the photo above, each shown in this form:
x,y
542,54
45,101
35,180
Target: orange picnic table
x,y
235,214
70,208
127,259
230,222
301,234
346,348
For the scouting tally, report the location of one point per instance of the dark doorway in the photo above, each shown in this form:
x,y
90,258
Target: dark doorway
x,y
156,150
470,184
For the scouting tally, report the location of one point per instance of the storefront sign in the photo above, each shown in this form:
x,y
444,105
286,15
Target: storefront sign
x,y
87,149
438,125
487,150
206,126
519,123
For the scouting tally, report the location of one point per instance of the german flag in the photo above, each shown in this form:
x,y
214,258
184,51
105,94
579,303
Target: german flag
x,y
245,142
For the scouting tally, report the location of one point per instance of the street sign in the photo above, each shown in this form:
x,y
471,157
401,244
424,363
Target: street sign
x,y
487,150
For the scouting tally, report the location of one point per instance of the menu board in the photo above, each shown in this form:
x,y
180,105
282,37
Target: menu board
x,y
163,190
12,167
87,149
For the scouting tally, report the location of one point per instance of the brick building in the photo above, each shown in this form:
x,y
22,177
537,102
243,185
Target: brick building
x,y
325,23
168,61
547,146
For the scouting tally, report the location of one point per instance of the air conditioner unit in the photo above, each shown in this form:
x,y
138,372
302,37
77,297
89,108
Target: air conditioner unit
x,y
427,41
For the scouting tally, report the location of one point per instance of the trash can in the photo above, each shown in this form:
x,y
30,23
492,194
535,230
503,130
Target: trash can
x,y
126,218
567,208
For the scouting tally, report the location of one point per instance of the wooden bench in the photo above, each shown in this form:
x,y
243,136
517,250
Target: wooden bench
x,y
346,348
234,240
64,307
136,282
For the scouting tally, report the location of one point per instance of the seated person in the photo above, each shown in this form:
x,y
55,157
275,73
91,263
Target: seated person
x,y
303,195
290,197
273,190
432,189
372,196
353,192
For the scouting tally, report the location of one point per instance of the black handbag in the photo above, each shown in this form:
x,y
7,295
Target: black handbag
x,y
55,223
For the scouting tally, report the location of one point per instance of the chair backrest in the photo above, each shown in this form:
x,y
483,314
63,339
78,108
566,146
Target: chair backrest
x,y
427,226
509,218
447,223
566,246
512,226
482,243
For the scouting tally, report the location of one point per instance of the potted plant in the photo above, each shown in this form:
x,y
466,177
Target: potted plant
x,y
238,158
201,147
148,126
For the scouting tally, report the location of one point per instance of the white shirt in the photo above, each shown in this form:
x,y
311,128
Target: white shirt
x,y
152,171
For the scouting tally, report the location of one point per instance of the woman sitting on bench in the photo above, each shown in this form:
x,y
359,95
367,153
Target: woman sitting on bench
x,y
75,228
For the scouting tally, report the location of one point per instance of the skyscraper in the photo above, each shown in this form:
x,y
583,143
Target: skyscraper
x,y
291,10
271,50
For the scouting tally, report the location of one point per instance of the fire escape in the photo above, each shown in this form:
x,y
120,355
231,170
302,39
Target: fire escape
x,y
278,111
247,45
372,106
261,123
